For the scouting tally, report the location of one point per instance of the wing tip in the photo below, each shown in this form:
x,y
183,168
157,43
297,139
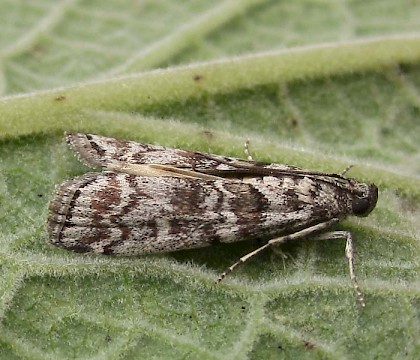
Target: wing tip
x,y
82,145
60,207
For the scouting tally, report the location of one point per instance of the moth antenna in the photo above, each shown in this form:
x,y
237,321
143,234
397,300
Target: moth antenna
x,y
345,170
247,151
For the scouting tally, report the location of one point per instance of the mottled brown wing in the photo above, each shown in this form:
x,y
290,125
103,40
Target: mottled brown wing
x,y
99,151
119,213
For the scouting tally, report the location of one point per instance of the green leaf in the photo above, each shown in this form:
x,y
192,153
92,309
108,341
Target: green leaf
x,y
316,84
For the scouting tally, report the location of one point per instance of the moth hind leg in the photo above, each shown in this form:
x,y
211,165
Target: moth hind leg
x,y
304,233
276,241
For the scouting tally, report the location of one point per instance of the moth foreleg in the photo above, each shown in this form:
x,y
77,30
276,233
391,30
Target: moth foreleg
x,y
350,256
276,241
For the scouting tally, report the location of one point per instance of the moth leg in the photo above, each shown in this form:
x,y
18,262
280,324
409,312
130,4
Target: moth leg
x,y
247,151
284,255
350,256
276,241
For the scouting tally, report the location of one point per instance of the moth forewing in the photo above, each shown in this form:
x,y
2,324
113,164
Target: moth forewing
x,y
157,170
155,199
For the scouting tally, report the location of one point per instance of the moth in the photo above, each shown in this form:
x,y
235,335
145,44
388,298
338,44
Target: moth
x,y
152,199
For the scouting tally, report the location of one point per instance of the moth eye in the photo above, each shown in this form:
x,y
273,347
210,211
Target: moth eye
x,y
360,206
363,206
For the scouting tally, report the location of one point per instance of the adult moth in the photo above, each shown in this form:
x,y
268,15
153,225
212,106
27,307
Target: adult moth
x,y
155,199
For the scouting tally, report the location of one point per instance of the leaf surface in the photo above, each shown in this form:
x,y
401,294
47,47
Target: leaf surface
x,y
312,83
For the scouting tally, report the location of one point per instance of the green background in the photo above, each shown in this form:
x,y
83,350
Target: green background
x,y
318,84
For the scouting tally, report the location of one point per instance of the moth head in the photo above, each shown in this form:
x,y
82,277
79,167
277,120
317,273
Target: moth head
x,y
365,199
